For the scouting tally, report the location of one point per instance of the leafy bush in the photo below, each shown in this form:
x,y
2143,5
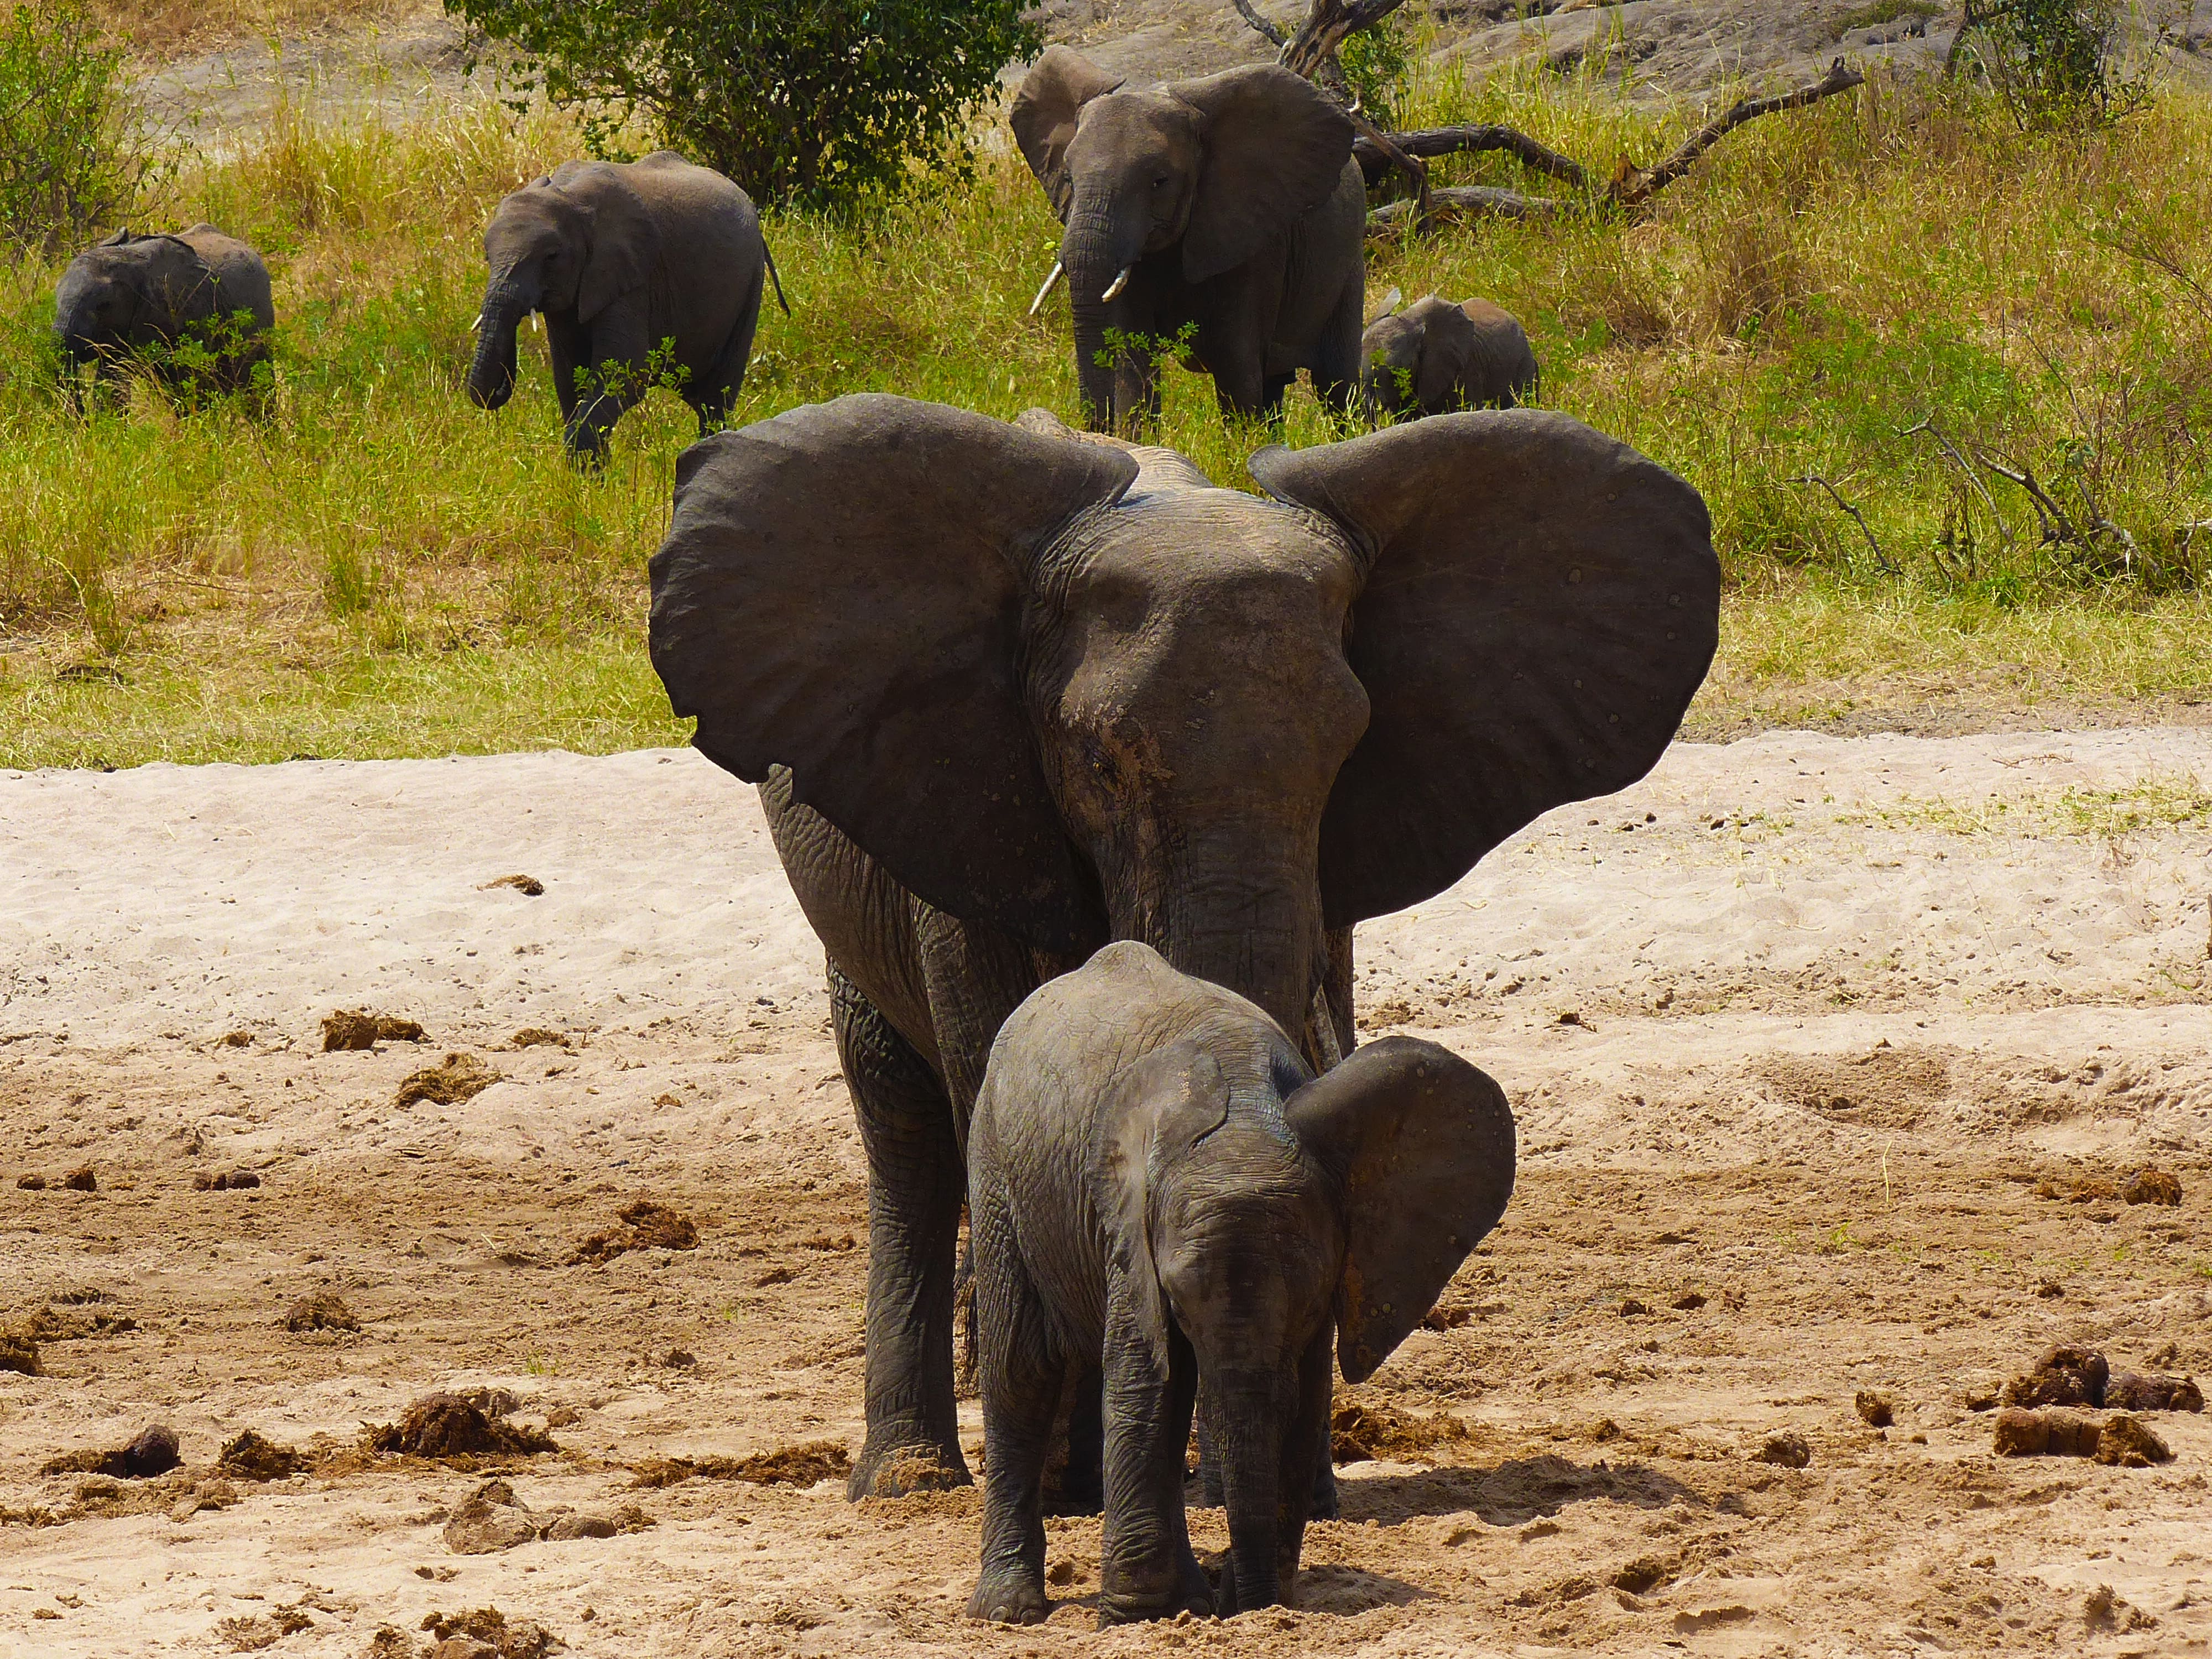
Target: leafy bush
x,y
2055,63
1375,63
798,100
74,156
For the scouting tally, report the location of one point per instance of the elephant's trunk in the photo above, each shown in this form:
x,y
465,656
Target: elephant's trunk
x,y
1098,254
491,371
1247,1431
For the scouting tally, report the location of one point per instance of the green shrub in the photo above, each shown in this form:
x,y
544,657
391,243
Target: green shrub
x,y
801,102
1376,62
74,157
2055,63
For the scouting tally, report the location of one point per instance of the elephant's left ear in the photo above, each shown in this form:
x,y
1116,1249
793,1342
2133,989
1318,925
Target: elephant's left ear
x,y
1541,603
1274,148
1424,1145
1046,108
624,244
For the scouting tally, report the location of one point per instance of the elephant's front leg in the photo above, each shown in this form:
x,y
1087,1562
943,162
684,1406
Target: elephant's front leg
x,y
915,1184
1146,1570
1020,1374
618,354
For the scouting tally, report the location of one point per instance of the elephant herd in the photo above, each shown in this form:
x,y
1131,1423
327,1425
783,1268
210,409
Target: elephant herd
x,y
1222,219
1084,768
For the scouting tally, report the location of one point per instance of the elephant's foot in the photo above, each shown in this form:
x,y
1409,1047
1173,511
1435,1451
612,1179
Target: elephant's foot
x,y
1123,1604
895,1468
1010,1598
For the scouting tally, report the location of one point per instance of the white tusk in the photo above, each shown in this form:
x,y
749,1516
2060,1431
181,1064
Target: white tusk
x,y
476,324
1056,269
1119,282
537,324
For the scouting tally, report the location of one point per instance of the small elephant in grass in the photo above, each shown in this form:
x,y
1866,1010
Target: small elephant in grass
x,y
1434,357
1229,206
134,294
1155,1176
624,258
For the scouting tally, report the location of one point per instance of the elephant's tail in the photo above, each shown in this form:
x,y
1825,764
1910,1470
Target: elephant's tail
x,y
773,277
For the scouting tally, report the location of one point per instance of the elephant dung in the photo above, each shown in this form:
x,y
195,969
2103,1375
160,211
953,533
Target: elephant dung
x,y
2065,1376
2151,1186
461,1077
445,1426
357,1028
2133,1391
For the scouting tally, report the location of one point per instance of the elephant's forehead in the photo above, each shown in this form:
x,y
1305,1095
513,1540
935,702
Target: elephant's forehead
x,y
1180,538
1121,116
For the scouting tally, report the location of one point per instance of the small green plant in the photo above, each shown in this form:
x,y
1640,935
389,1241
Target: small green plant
x,y
799,102
2055,63
75,154
1376,64
628,382
1161,349
350,580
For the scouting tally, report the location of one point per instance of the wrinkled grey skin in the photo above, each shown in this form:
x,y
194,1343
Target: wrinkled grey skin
x,y
1234,204
131,293
1159,1184
1435,356
1012,693
621,256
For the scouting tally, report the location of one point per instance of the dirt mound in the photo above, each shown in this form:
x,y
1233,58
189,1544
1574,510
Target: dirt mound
x,y
154,1452
788,1465
492,1518
248,1456
357,1028
1888,1088
2120,1439
646,1225
517,1638
323,1311
445,1426
1361,1431
2134,1391
459,1078
228,1181
2064,1376
2148,1186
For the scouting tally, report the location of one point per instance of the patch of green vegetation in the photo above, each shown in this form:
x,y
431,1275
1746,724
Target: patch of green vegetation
x,y
1896,294
1886,11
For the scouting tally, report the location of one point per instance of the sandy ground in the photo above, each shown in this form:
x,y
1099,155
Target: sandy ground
x,y
1838,1006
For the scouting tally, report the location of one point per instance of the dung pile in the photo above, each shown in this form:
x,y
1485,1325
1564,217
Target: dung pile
x,y
459,1077
1361,1431
357,1028
154,1452
445,1427
646,1225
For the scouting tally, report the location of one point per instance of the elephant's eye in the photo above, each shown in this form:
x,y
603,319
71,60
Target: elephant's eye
x,y
1161,183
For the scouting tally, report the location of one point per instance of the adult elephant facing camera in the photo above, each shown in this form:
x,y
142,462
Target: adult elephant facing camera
x,y
1230,204
1011,694
621,258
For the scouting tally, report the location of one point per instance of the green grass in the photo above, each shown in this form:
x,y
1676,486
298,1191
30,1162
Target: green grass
x,y
373,567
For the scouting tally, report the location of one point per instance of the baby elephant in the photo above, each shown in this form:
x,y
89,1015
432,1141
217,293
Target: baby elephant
x,y
133,293
623,259
1157,1182
1435,356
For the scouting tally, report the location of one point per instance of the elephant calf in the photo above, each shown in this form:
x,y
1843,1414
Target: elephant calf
x,y
144,295
1156,1179
629,261
1435,356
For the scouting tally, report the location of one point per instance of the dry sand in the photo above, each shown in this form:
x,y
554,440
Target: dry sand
x,y
1839,1005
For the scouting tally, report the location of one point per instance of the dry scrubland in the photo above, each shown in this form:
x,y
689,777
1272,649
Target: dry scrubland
x,y
374,567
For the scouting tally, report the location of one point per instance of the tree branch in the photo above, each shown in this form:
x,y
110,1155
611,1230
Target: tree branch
x,y
1632,186
1250,14
1453,202
1453,140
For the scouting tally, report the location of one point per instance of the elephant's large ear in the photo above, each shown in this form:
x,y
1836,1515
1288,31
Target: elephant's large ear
x,y
1160,1106
624,244
1448,337
841,592
1542,603
1046,106
1423,1144
1275,146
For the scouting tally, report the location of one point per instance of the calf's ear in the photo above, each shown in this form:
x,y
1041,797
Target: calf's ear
x,y
1423,1144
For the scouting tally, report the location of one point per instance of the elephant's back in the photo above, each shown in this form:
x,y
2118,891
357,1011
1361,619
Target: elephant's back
x,y
700,195
241,274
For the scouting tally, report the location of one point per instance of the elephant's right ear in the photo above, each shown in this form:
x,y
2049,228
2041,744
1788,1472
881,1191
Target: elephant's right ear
x,y
1423,1144
1046,105
1541,603
1448,339
1159,1108
841,592
1390,304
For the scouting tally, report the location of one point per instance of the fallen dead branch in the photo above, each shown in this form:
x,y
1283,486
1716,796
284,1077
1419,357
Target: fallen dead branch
x,y
1312,53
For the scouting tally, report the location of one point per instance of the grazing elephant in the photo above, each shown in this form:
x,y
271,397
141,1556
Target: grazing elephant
x,y
1012,693
136,294
1435,356
1229,204
1157,1177
623,259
